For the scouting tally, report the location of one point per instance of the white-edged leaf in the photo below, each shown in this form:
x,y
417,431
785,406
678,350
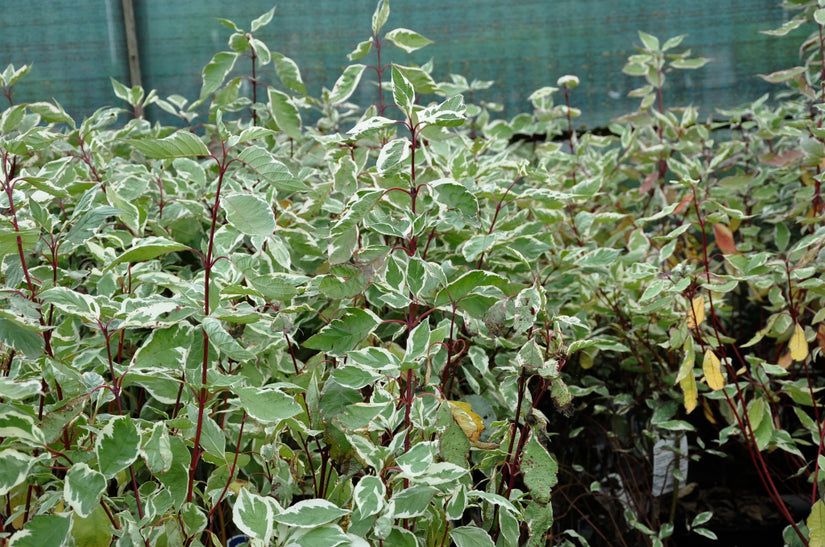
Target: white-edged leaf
x,y
267,405
407,39
310,513
286,115
264,162
249,214
82,488
346,83
177,145
14,468
117,446
216,70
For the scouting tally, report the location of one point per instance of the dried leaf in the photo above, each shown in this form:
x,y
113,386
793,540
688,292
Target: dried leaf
x,y
724,239
798,346
713,371
697,312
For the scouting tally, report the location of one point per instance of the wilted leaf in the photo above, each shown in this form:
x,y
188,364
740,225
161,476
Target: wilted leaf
x,y
470,423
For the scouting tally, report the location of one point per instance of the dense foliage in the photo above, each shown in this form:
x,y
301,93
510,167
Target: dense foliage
x,y
409,324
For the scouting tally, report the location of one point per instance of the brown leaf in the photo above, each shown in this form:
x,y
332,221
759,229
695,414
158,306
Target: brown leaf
x,y
784,159
647,184
724,239
683,203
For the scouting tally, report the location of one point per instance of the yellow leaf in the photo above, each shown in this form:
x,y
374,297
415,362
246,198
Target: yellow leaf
x,y
470,423
585,360
708,412
798,345
785,360
713,371
688,385
696,314
816,525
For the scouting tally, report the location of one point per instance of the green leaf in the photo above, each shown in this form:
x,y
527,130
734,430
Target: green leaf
x,y
380,16
289,73
343,234
285,113
360,50
343,334
249,214
19,426
407,39
117,446
392,153
540,469
466,284
89,223
82,488
72,302
650,42
370,124
147,248
157,450
402,91
265,164
14,468
15,390
450,113
346,84
369,495
224,342
216,70
413,501
177,145
528,305
354,377
267,405
22,339
8,240
310,513
471,536
455,196
262,20
43,531
254,515
194,520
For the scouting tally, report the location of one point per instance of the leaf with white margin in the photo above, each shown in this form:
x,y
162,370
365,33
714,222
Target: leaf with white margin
x,y
254,515
43,531
117,446
82,488
310,513
14,468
